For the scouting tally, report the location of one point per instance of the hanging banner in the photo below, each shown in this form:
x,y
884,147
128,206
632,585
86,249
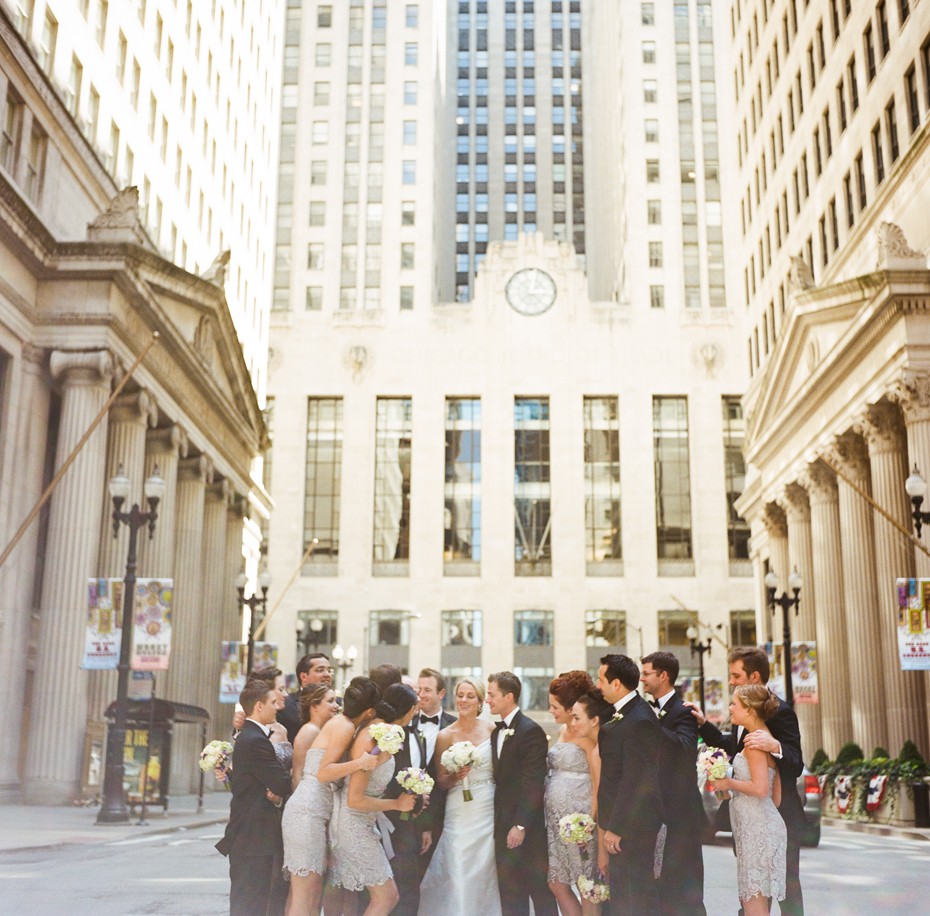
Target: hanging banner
x,y
913,601
803,671
715,706
104,624
235,657
151,614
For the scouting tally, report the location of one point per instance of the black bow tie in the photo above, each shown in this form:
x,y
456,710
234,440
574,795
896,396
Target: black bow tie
x,y
433,719
499,725
655,703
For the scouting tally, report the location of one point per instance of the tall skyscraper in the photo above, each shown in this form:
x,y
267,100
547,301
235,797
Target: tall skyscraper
x,y
830,199
505,388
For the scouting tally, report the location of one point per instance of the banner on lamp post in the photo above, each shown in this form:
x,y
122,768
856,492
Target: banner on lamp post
x,y
803,672
151,616
913,623
235,660
715,707
104,624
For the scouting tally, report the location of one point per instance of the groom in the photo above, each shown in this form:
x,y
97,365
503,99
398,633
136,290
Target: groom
x,y
518,751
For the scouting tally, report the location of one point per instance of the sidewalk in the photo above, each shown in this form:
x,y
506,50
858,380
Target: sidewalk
x,y
33,827
906,833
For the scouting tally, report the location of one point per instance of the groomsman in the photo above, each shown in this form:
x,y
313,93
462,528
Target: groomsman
x,y
253,835
681,882
311,669
414,839
518,750
629,803
750,665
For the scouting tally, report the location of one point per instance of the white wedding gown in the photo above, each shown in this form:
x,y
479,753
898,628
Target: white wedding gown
x,y
462,877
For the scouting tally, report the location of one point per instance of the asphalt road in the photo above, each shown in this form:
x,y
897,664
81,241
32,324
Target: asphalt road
x,y
180,874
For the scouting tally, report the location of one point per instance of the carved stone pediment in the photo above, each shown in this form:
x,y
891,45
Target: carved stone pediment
x,y
216,272
120,221
893,251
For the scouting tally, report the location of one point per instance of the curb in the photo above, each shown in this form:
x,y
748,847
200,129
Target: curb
x,y
907,833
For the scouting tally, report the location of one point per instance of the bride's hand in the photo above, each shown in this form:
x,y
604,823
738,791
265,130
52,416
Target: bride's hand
x,y
462,773
405,802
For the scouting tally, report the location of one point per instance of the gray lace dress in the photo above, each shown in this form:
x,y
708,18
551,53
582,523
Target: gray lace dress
x,y
568,791
760,837
306,817
359,860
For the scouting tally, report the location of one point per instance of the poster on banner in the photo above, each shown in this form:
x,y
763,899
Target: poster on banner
x,y
715,704
235,656
913,601
104,624
151,614
803,671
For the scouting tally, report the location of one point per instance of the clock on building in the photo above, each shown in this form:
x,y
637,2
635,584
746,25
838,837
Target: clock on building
x,y
530,291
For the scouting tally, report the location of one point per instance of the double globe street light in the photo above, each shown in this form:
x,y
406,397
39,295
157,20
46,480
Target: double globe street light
x,y
114,810
785,602
253,603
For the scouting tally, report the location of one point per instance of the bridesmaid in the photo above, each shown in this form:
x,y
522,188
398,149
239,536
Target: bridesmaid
x,y
569,790
318,704
359,860
309,810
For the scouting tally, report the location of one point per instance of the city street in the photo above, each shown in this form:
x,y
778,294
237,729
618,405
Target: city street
x,y
180,874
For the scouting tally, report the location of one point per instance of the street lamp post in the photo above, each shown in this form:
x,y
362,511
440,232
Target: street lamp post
x,y
700,647
916,488
785,602
253,603
114,810
311,633
344,659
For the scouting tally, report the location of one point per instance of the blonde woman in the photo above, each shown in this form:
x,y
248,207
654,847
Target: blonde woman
x,y
462,877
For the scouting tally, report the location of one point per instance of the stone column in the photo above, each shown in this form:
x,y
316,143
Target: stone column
x,y
232,613
803,627
130,416
867,690
59,716
912,393
905,702
28,426
777,526
187,616
215,594
826,589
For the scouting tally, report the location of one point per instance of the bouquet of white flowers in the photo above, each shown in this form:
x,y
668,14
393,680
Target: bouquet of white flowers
x,y
414,781
459,755
593,889
713,764
577,830
388,738
217,754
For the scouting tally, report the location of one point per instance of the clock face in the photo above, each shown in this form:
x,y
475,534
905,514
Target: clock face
x,y
531,291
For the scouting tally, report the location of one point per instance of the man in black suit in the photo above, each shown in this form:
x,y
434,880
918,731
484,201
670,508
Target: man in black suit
x,y
629,802
681,883
260,783
750,665
518,751
311,669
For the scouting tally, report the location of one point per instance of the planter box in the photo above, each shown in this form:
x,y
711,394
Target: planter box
x,y
896,809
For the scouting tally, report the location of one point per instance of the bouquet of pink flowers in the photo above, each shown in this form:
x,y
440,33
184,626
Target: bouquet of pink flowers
x,y
414,781
713,764
577,830
593,889
217,755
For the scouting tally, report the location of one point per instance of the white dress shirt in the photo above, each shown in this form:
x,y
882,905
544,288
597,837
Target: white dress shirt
x,y
508,720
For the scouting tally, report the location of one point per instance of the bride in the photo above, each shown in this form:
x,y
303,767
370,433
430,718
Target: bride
x,y
462,877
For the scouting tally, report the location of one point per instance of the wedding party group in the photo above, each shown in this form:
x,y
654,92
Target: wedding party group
x,y
385,803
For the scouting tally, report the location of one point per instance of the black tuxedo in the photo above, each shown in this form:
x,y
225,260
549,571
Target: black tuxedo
x,y
253,835
432,818
289,716
629,804
681,883
785,730
520,778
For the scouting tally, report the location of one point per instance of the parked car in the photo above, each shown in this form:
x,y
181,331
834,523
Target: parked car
x,y
808,788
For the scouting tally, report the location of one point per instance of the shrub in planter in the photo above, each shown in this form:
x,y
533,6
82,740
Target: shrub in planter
x,y
880,753
849,753
820,758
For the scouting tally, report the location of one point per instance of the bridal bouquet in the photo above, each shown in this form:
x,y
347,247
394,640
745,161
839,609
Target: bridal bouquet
x,y
593,889
713,764
414,781
388,738
217,754
577,830
459,755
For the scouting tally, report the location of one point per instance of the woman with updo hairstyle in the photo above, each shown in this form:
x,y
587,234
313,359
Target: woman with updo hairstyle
x,y
570,789
359,860
309,810
759,832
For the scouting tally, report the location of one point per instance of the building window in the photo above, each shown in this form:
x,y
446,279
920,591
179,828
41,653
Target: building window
x,y
317,213
35,162
410,92
324,17
314,298
320,132
408,213
532,490
743,628
12,114
463,479
604,632
406,298
655,254
48,42
407,255
320,94
868,47
410,133
323,54
673,637
860,182
672,477
318,172
877,153
882,12
73,90
533,656
649,52
409,172
324,478
652,130
734,436
412,15
647,13
654,208
913,103
602,479
410,54
657,297
393,445
317,631
315,256
650,91
652,170
891,121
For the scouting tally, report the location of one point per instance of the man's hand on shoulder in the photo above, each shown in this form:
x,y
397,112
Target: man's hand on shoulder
x,y
696,711
762,740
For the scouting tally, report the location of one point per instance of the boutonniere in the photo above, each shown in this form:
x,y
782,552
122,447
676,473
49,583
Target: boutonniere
x,y
507,733
617,717
662,713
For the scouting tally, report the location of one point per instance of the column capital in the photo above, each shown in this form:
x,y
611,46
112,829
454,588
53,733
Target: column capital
x,y
911,393
775,521
881,426
137,407
200,467
32,354
169,439
848,453
794,501
820,483
222,491
97,365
